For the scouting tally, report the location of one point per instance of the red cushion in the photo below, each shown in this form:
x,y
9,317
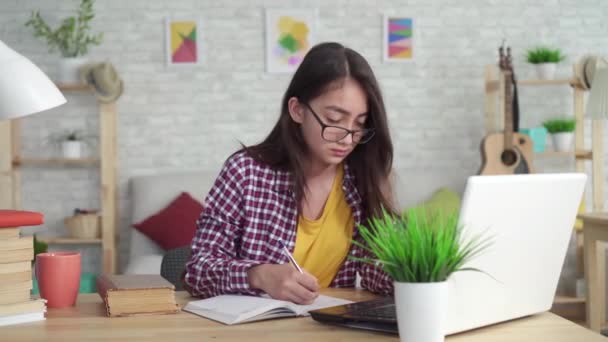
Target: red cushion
x,y
173,226
19,218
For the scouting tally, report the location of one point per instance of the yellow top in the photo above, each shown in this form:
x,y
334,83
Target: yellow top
x,y
323,244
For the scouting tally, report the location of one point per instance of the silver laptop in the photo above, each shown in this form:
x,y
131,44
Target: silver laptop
x,y
531,218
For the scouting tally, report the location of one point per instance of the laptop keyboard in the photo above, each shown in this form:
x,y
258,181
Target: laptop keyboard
x,y
384,313
376,310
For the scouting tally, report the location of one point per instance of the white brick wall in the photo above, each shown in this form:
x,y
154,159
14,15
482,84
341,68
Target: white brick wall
x,y
174,119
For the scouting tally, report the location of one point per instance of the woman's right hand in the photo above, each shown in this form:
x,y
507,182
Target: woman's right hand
x,y
284,282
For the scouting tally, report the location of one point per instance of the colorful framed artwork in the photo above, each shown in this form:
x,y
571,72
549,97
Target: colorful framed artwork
x,y
289,36
398,39
183,42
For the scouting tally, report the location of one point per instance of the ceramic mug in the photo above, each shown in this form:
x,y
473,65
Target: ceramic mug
x,y
58,276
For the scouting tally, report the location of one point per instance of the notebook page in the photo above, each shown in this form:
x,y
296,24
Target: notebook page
x,y
230,309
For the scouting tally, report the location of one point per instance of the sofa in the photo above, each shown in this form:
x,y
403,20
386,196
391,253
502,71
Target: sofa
x,y
151,193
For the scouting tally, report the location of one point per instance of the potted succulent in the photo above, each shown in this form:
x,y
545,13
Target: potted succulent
x,y
420,251
545,59
562,133
70,142
71,38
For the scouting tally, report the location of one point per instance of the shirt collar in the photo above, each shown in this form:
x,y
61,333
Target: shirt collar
x,y
283,180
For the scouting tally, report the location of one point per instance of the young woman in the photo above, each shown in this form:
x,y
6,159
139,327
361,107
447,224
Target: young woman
x,y
323,170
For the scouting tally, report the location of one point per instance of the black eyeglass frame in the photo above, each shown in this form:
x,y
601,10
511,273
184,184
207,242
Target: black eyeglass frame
x,y
366,131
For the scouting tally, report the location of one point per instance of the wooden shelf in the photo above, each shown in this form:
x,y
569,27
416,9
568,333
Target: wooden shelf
x,y
68,241
55,161
569,300
73,87
493,85
580,154
569,81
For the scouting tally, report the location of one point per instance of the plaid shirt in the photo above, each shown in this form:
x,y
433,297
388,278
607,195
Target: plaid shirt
x,y
249,209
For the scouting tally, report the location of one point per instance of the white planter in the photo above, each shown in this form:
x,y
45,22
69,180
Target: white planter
x,y
562,142
546,71
71,149
421,311
68,69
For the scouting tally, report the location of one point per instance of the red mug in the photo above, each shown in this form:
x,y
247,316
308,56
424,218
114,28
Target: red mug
x,y
58,276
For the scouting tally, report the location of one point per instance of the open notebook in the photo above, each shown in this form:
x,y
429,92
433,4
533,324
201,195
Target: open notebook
x,y
234,309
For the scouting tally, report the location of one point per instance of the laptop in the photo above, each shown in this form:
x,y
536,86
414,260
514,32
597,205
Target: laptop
x,y
531,218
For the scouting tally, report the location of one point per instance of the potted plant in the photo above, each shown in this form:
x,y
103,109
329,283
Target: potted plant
x,y
71,38
546,60
420,250
562,133
70,142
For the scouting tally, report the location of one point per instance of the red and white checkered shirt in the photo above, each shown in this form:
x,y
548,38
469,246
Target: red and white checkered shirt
x,y
249,209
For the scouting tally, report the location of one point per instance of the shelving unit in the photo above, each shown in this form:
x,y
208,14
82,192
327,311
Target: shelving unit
x,y
11,162
494,120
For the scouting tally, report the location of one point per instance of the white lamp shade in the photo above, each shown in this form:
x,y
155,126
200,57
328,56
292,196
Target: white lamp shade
x,y
24,88
597,104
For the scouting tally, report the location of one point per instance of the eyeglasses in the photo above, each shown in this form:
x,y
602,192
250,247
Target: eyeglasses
x,y
335,133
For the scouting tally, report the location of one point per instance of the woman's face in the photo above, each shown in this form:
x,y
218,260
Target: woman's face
x,y
343,105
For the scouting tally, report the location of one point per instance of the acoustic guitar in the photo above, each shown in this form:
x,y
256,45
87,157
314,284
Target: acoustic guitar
x,y
508,152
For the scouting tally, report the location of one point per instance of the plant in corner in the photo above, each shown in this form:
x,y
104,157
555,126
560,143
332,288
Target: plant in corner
x,y
420,252
545,59
561,131
71,38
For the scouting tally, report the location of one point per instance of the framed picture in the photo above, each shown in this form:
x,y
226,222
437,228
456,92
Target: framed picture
x,y
398,39
289,36
183,39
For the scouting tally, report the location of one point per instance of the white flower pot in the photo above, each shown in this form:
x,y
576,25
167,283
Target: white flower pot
x,y
546,71
71,149
421,311
68,69
562,142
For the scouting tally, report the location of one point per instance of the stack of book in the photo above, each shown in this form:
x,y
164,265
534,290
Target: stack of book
x,y
16,304
136,294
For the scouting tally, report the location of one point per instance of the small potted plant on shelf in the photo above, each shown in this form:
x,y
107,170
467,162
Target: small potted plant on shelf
x,y
72,38
562,133
545,59
71,143
420,250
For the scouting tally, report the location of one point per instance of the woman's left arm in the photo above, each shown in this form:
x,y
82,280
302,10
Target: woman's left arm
x,y
373,278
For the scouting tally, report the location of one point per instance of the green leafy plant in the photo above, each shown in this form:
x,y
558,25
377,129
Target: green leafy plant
x,y
39,247
560,125
72,37
417,248
544,54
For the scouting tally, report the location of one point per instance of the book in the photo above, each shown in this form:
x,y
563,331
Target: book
x,y
17,255
15,277
15,295
22,318
9,233
235,309
135,294
13,244
15,267
30,306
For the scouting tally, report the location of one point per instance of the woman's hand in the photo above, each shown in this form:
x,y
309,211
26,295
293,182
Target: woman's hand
x,y
284,282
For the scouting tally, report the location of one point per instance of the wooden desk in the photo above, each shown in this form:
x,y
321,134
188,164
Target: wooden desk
x,y
595,231
87,321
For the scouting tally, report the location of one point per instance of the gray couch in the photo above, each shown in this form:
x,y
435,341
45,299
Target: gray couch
x,y
150,193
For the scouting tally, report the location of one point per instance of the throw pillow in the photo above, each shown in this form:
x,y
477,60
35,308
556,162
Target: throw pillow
x,y
442,201
175,225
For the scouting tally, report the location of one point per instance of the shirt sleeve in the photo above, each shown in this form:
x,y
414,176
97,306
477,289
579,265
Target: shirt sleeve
x,y
373,278
214,267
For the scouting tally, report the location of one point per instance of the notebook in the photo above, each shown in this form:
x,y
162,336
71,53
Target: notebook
x,y
135,294
234,309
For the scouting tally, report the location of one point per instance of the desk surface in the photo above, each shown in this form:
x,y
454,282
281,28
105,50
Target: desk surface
x,y
87,321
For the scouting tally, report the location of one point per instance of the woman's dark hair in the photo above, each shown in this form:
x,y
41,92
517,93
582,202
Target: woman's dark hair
x,y
285,148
